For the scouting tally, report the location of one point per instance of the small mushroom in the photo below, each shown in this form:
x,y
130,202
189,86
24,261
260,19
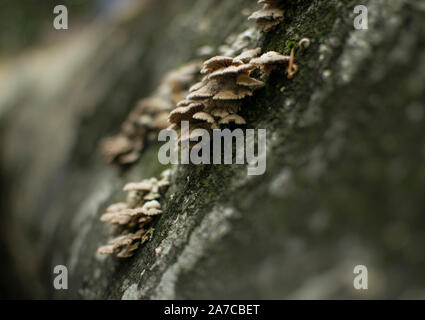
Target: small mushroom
x,y
215,63
133,218
220,113
236,94
268,61
269,16
113,147
200,94
138,186
247,81
184,113
304,43
232,70
203,116
247,55
237,119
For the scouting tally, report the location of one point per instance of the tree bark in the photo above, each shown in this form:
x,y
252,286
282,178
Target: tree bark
x,y
345,150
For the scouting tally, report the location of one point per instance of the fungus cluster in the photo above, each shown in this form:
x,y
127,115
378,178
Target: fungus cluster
x,y
149,116
133,218
270,15
216,99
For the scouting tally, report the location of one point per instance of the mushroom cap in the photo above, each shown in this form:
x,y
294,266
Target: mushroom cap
x,y
133,212
153,204
184,74
144,185
232,118
232,70
220,113
145,120
202,93
116,207
128,251
268,14
245,80
114,146
247,55
106,249
151,196
115,218
215,63
160,121
203,116
270,57
129,157
184,113
183,103
235,94
304,43
153,212
267,25
197,86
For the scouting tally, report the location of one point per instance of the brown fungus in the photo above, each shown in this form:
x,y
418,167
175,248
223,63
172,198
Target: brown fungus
x,y
133,219
270,15
269,61
150,116
219,94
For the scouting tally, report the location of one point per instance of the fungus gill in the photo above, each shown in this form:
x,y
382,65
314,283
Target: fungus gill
x,y
133,218
149,116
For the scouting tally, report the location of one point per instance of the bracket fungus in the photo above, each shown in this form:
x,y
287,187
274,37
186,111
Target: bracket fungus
x,y
133,218
149,116
217,98
269,61
270,15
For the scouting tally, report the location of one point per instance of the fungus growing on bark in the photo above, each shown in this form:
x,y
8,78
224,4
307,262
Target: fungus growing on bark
x,y
133,218
149,116
270,15
247,55
269,61
217,97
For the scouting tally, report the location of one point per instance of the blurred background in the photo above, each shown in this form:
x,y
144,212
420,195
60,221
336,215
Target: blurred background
x,y
38,63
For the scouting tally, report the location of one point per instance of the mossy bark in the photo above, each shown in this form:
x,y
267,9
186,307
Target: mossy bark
x,y
344,182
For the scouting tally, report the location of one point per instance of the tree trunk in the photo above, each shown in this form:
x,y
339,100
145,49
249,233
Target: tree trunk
x,y
344,183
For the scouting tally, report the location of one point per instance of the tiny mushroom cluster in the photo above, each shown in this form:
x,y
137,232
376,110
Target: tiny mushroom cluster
x,y
270,15
149,116
216,99
132,219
